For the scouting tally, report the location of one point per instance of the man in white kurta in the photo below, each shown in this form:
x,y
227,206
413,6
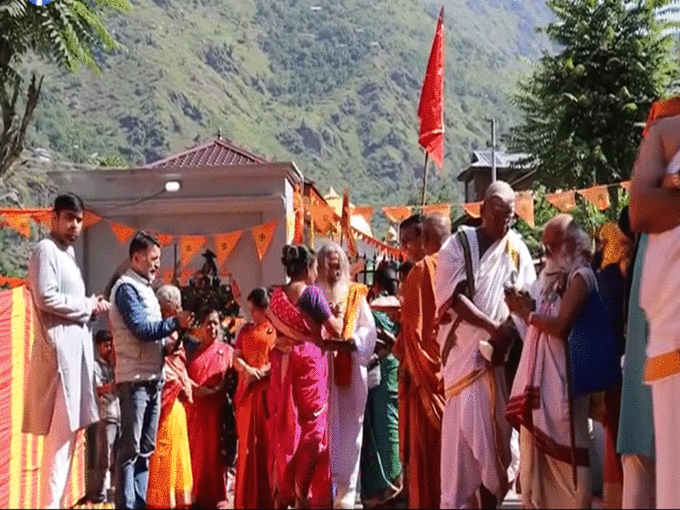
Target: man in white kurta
x,y
68,386
475,435
655,209
347,402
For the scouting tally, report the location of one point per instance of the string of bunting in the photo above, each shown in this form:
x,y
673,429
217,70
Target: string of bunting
x,y
189,245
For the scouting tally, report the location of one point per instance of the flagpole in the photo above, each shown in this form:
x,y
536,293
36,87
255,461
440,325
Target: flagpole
x,y
424,179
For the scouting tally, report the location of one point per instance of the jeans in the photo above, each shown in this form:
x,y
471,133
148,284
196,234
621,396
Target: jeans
x,y
140,407
104,438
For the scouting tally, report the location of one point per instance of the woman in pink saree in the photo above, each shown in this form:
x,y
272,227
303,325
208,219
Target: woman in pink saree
x,y
298,392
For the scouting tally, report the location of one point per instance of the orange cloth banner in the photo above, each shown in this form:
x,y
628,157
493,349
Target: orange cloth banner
x,y
21,454
225,244
346,228
524,207
19,222
626,185
43,217
443,209
365,211
323,217
597,195
263,235
122,232
564,201
397,213
473,209
189,246
299,212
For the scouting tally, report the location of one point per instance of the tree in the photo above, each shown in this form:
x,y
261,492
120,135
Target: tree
x,y
584,108
65,31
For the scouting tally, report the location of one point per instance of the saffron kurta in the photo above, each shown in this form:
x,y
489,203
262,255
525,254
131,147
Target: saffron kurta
x,y
205,422
252,489
421,392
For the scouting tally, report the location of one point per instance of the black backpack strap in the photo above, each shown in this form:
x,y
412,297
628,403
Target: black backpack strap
x,y
467,255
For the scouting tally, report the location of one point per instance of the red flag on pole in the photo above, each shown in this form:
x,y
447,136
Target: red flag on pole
x,y
431,107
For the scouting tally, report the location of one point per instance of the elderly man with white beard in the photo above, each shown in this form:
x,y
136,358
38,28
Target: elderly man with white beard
x,y
348,373
539,402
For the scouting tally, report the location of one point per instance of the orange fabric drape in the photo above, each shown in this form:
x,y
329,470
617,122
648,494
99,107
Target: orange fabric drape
x,y
323,217
225,244
524,207
397,213
299,212
21,455
597,195
473,209
263,235
189,246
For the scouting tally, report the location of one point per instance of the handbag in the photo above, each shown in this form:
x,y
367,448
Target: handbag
x,y
594,358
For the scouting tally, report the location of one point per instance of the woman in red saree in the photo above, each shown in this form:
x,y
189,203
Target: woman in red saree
x,y
298,394
208,369
251,358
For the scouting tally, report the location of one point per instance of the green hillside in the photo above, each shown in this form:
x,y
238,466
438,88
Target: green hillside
x,y
330,84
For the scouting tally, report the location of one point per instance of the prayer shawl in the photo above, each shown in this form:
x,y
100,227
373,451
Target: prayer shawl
x,y
205,421
347,402
421,393
476,394
66,354
298,407
539,402
252,487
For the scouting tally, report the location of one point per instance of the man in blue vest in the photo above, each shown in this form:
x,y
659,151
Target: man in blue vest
x,y
138,332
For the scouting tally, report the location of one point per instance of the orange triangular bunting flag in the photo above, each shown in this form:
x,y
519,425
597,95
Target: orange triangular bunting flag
x,y
90,218
166,275
473,209
43,217
443,209
122,232
564,201
263,235
397,213
323,217
189,246
185,276
524,207
365,211
626,185
163,239
225,244
597,195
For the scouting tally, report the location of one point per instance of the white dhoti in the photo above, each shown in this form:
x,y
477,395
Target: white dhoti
x,y
665,394
475,443
638,482
58,449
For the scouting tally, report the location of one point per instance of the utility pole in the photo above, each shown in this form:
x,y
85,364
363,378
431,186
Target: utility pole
x,y
494,177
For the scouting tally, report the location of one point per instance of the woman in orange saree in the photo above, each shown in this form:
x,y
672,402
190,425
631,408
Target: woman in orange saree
x,y
210,370
170,478
251,358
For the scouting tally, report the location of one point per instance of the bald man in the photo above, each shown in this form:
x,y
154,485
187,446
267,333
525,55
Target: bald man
x,y
475,440
421,392
436,230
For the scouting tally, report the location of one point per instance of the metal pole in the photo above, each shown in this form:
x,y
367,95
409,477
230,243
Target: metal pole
x,y
422,202
494,177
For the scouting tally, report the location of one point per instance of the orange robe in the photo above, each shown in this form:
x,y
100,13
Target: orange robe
x,y
421,389
252,487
